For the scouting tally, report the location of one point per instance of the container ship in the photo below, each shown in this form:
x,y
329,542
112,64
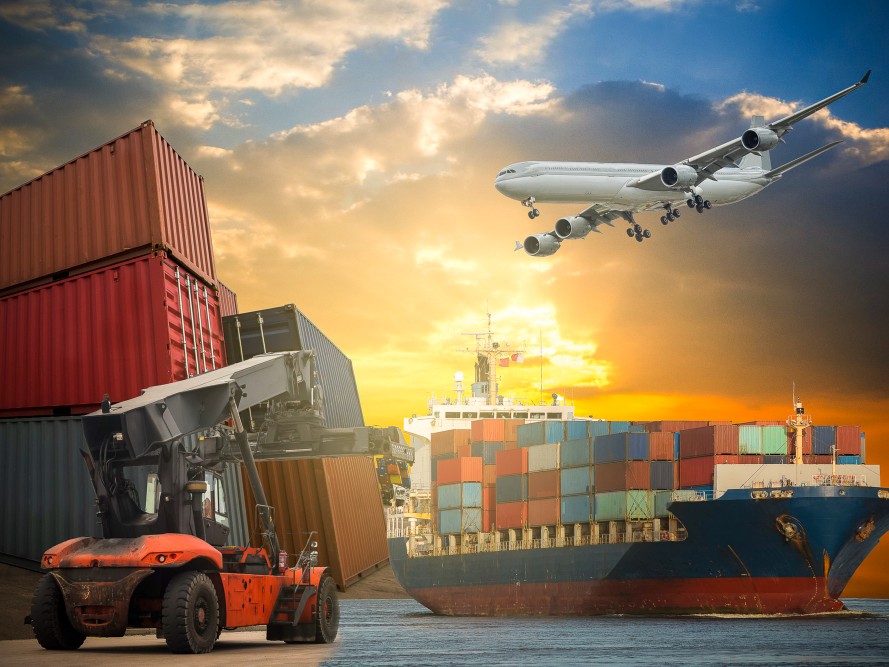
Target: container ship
x,y
552,514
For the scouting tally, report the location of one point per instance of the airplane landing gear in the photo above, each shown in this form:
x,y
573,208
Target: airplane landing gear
x,y
636,230
699,203
529,203
672,214
533,213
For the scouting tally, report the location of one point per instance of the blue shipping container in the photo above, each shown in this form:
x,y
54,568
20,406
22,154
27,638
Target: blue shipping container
x,y
823,439
637,428
487,451
540,433
618,427
454,522
467,494
574,430
661,475
599,428
576,509
848,459
576,481
774,459
512,488
575,453
620,447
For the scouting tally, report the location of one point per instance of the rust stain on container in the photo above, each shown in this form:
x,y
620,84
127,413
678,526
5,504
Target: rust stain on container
x,y
339,499
133,194
114,330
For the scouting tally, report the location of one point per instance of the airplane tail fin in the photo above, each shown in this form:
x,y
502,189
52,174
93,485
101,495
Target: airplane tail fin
x,y
751,161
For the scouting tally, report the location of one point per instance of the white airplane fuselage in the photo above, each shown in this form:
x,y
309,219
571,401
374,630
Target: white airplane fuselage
x,y
611,183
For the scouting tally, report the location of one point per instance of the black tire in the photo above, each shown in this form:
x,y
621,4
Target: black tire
x,y
190,613
51,626
327,621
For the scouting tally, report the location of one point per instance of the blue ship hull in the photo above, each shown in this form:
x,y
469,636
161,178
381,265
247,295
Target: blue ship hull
x,y
741,555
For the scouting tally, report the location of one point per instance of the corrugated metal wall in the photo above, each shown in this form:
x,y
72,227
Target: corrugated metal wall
x,y
338,499
129,196
286,328
228,300
46,495
115,330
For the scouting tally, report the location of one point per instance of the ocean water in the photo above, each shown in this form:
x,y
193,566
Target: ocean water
x,y
404,633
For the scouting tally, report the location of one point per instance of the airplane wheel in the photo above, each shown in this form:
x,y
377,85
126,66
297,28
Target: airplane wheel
x,y
531,214
670,216
51,626
676,213
639,238
646,234
664,220
699,208
328,620
699,200
637,228
630,232
707,204
190,613
690,202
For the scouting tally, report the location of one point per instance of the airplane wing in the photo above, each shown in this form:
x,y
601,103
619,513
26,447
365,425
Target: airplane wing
x,y
754,140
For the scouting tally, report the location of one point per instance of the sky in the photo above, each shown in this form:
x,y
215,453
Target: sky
x,y
349,151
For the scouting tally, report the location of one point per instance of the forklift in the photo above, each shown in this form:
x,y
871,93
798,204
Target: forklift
x,y
163,561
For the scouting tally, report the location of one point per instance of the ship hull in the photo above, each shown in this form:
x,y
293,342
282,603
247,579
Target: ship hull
x,y
739,557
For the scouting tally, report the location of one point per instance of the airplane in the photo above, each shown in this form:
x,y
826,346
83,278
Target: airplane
x,y
618,190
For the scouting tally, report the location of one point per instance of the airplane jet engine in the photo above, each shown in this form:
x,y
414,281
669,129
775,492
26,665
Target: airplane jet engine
x,y
574,227
679,176
759,139
541,245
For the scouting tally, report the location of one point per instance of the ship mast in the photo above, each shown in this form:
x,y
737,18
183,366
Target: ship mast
x,y
488,354
798,422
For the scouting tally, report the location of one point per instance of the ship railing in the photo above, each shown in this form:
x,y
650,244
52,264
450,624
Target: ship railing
x,y
692,495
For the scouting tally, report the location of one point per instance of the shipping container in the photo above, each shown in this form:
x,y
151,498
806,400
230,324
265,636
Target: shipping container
x,y
454,522
465,469
618,427
772,459
849,440
488,520
466,494
621,447
128,197
576,429
47,497
512,462
435,460
576,481
489,497
543,484
484,430
774,439
598,427
661,475
511,515
624,506
464,451
228,300
489,475
286,328
824,439
543,512
708,440
339,499
446,442
511,431
115,331
622,476
673,425
486,450
790,438
512,489
846,459
661,445
540,432
543,457
576,509
574,453
750,440
697,472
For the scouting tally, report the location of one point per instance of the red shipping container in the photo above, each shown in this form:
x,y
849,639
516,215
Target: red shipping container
x,y
447,442
511,515
228,300
115,330
708,440
699,471
128,197
818,459
751,459
465,469
623,476
489,475
487,430
464,451
673,426
489,498
512,462
660,445
848,440
764,423
544,484
488,517
544,512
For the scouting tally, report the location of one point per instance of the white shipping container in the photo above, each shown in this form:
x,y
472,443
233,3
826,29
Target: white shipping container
x,y
543,457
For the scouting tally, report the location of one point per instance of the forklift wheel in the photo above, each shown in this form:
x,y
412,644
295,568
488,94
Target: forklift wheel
x,y
190,614
49,620
328,616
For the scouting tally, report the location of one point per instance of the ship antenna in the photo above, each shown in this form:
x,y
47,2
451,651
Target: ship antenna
x,y
798,422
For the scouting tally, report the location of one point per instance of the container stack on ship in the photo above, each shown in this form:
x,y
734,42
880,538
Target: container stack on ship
x,y
108,285
582,516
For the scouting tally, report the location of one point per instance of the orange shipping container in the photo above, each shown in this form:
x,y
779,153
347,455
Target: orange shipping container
x,y
511,430
489,475
130,196
511,515
623,476
465,469
660,445
512,462
339,499
488,517
464,451
487,430
489,498
544,484
544,512
674,425
447,442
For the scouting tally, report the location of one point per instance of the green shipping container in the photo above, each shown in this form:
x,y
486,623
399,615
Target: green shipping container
x,y
750,440
624,506
774,440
